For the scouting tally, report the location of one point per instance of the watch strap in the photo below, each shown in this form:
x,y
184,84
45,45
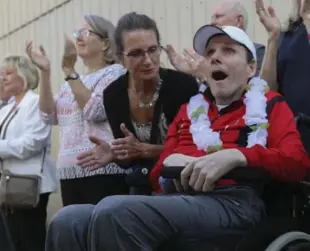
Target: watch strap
x,y
72,76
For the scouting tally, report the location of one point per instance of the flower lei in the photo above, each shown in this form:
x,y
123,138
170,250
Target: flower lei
x,y
255,117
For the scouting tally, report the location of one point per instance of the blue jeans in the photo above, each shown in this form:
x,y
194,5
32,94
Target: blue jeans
x,y
137,222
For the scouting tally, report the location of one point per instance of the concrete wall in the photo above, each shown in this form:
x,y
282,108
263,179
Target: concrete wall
x,y
45,22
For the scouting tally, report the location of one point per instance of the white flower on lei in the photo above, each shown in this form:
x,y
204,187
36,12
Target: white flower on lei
x,y
203,136
255,114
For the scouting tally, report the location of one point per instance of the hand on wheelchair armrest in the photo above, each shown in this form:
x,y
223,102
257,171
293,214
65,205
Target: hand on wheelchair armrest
x,y
175,163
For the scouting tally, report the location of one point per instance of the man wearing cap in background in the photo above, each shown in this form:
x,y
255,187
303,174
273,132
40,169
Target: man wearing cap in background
x,y
214,134
228,12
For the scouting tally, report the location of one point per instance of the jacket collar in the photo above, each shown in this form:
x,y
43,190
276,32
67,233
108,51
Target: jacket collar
x,y
232,106
26,99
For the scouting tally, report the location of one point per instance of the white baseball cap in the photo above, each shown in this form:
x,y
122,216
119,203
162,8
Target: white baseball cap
x,y
206,32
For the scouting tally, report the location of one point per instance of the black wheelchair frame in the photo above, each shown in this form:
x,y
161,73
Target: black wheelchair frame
x,y
286,226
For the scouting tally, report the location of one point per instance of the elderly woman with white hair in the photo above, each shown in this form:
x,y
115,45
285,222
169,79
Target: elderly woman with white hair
x,y
25,149
286,65
4,97
78,109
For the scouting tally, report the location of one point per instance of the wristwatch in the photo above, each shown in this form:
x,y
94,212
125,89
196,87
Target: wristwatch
x,y
72,76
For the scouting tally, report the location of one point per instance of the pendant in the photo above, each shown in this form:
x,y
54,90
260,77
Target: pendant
x,y
141,105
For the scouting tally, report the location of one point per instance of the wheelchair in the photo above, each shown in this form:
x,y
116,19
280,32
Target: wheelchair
x,y
286,226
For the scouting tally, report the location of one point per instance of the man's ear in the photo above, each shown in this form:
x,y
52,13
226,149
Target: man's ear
x,y
240,22
252,68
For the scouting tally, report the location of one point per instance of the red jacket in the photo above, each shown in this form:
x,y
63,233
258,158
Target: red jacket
x,y
284,158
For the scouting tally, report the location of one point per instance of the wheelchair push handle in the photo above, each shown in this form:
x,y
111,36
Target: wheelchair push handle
x,y
302,118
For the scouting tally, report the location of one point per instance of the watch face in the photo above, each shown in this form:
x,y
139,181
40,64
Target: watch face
x,y
74,75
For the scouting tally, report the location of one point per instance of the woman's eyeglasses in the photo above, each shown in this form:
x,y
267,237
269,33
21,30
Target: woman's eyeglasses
x,y
85,33
153,52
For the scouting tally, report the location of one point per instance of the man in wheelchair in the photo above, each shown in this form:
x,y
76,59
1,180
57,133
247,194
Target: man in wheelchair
x,y
230,139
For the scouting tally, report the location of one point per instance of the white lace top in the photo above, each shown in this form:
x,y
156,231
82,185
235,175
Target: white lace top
x,y
75,125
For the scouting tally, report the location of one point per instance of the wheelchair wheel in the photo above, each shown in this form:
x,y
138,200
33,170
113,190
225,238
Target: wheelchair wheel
x,y
292,241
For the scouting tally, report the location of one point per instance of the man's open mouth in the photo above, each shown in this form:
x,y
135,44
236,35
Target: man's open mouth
x,y
219,75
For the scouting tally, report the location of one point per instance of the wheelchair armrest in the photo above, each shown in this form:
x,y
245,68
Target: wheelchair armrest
x,y
247,173
171,172
239,173
302,118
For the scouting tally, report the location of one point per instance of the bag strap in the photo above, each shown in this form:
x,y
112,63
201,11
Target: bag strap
x,y
43,160
7,120
4,126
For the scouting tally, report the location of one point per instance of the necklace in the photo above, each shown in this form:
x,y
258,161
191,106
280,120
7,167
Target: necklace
x,y
154,98
255,117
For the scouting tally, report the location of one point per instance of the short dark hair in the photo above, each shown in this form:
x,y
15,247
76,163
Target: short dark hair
x,y
249,55
130,22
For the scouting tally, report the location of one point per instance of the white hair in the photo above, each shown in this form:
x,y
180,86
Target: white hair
x,y
106,30
239,8
25,69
